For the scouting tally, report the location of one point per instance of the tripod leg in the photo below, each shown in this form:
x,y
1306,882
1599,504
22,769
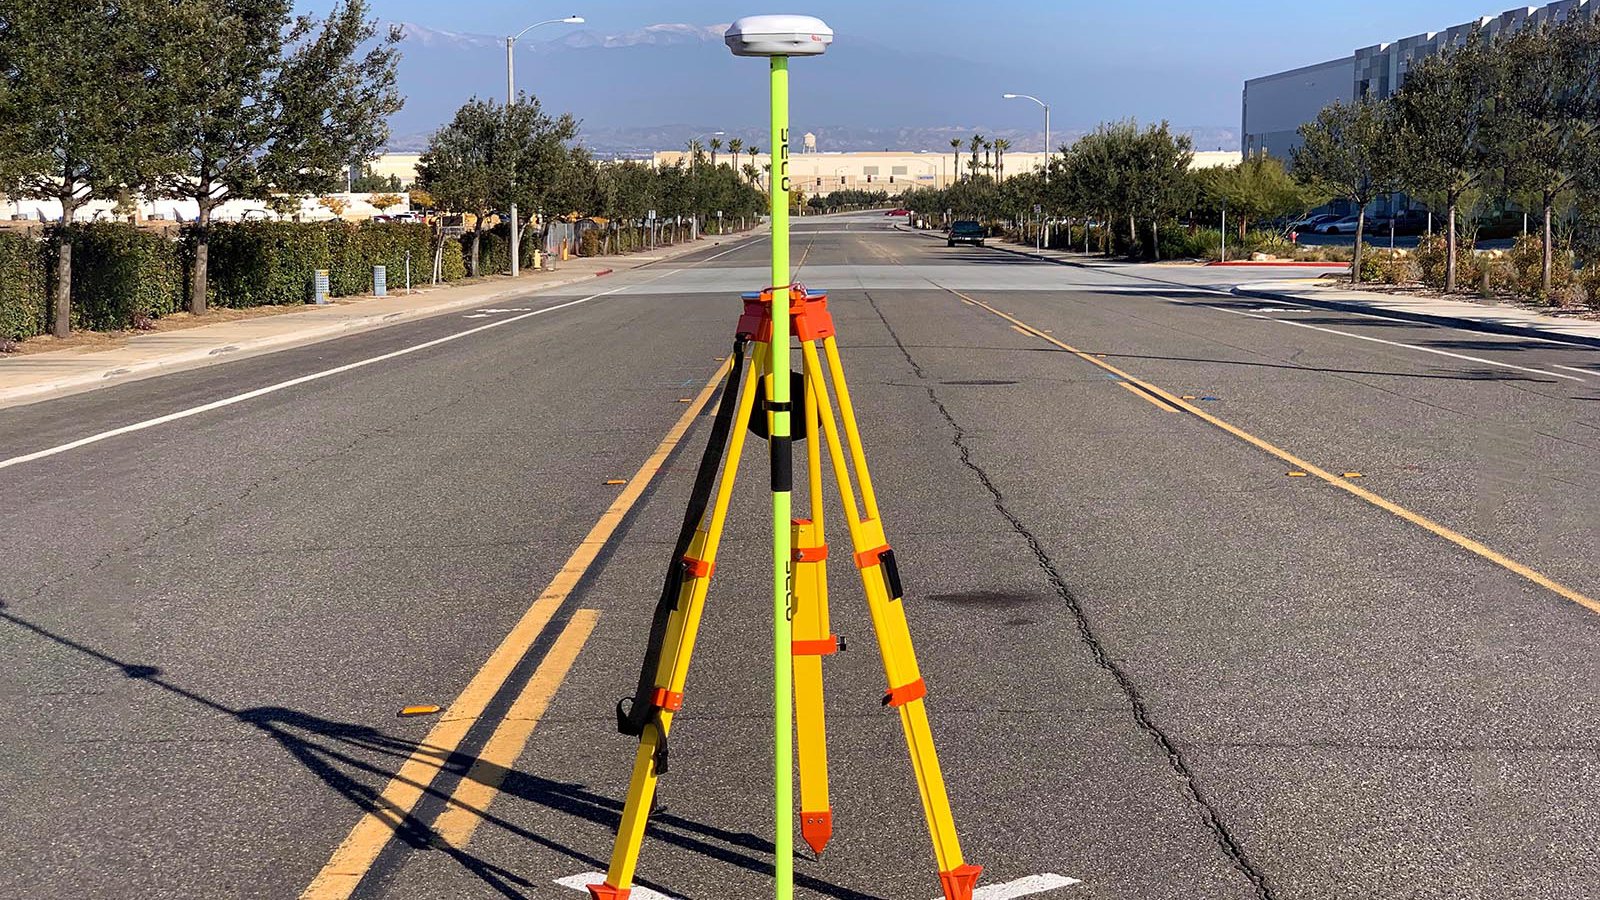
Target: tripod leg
x,y
812,641
683,626
880,578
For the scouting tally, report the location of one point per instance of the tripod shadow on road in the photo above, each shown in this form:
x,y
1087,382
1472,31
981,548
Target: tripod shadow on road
x,y
334,751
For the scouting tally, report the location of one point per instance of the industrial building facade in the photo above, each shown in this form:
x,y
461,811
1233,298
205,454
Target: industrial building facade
x,y
1275,106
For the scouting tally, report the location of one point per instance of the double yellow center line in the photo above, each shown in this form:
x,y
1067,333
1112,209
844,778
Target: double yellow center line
x,y
356,855
1295,462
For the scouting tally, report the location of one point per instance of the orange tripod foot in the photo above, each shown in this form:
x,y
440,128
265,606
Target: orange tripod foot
x,y
817,829
607,892
959,882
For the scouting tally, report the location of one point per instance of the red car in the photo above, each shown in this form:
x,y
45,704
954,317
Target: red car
x,y
898,212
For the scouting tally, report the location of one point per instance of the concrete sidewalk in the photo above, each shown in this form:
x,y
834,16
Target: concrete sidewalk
x,y
41,376
1467,314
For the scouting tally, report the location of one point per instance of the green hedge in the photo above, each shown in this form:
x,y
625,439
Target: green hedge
x,y
24,305
260,263
121,274
385,244
264,263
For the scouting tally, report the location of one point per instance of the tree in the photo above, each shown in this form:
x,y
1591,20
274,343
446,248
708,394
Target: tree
x,y
955,147
263,102
491,154
1348,151
1445,111
735,147
975,145
1001,145
384,201
1547,114
716,147
1157,177
1257,188
76,100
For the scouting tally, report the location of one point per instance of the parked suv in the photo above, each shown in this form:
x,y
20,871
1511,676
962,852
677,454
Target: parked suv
x,y
965,232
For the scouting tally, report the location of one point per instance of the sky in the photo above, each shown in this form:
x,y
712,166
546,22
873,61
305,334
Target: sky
x,y
1093,60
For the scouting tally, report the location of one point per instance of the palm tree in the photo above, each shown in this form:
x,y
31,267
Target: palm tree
x,y
988,153
754,152
735,148
955,145
695,150
1001,145
975,145
716,145
752,173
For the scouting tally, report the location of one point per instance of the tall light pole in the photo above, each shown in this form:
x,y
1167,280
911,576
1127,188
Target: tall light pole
x,y
1046,107
511,97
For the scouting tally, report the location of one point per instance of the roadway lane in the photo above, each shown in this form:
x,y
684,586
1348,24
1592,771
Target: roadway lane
x,y
1156,662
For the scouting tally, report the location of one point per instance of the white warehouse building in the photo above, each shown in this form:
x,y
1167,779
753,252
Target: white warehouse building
x,y
1275,106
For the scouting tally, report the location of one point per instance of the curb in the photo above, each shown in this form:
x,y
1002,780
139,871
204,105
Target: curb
x,y
1278,263
1500,328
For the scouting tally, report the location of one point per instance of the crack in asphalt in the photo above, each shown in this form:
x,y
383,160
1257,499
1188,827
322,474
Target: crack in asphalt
x,y
1141,713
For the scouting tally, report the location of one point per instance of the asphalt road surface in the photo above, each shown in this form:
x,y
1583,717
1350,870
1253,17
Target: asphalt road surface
x,y
1160,664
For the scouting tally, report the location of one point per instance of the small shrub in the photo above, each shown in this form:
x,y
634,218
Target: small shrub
x,y
1588,278
1372,265
454,267
1431,257
1527,268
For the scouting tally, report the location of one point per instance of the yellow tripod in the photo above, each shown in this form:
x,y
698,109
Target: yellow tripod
x,y
677,620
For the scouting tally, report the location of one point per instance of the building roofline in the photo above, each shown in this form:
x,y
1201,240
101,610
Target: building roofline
x,y
1332,62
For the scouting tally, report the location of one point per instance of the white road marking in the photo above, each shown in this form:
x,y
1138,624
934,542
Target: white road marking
x,y
476,316
325,373
1022,887
582,882
1571,369
1376,340
510,309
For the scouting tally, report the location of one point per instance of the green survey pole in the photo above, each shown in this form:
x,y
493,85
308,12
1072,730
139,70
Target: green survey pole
x,y
782,488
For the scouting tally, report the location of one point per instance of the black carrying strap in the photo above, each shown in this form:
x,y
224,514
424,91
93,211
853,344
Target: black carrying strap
x,y
634,713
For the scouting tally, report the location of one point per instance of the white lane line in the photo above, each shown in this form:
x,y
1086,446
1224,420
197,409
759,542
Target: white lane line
x,y
1571,369
317,376
1022,887
582,882
1376,340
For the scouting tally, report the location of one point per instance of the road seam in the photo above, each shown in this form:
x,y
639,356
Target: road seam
x,y
1141,714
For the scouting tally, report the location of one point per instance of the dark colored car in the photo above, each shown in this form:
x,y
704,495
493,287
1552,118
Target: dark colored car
x,y
965,232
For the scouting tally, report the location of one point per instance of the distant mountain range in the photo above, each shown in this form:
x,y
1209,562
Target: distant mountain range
x,y
660,86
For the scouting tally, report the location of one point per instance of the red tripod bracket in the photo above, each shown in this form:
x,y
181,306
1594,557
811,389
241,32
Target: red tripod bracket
x,y
809,319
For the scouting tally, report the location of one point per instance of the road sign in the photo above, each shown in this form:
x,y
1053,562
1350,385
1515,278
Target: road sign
x,y
380,281
319,287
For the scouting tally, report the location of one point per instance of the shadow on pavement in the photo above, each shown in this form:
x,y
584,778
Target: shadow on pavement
x,y
328,748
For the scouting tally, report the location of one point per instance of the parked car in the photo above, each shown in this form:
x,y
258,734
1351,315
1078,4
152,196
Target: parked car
x,y
1347,225
965,231
1309,224
1411,221
898,212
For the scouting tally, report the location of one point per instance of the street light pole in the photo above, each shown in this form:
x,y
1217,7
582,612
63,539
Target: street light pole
x,y
511,97
1046,108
